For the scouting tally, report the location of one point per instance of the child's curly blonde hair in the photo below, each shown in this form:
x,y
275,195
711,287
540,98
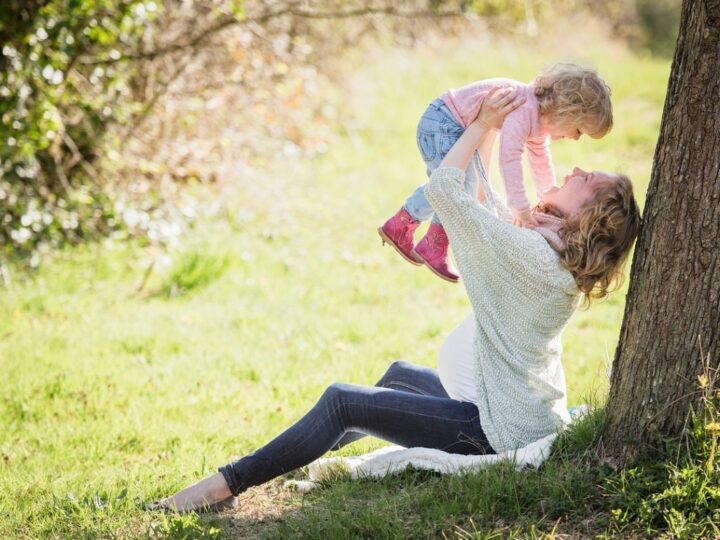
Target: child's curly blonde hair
x,y
599,237
571,94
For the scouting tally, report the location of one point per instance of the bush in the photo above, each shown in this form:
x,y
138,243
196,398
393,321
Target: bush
x,y
80,79
58,101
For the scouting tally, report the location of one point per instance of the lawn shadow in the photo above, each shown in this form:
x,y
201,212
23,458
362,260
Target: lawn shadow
x,y
339,507
260,510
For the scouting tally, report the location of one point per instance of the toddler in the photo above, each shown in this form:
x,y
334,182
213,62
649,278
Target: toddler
x,y
566,101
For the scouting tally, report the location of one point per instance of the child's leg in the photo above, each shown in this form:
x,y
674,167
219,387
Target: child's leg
x,y
433,249
436,133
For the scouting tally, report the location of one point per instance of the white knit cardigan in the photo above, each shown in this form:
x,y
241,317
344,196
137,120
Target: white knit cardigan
x,y
522,299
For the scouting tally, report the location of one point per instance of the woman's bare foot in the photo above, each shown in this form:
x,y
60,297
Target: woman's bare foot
x,y
205,494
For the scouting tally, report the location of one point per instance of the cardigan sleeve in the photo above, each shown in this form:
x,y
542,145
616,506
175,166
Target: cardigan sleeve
x,y
484,245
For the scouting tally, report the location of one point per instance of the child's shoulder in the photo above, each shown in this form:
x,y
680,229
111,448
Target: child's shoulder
x,y
485,85
528,110
504,81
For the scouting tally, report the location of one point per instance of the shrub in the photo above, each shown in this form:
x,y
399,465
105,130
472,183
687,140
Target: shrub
x,y
56,107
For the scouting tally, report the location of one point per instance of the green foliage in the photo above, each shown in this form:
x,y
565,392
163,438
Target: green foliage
x,y
658,22
582,437
59,97
513,10
194,269
650,25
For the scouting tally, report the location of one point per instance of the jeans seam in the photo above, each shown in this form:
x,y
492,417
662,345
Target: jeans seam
x,y
408,386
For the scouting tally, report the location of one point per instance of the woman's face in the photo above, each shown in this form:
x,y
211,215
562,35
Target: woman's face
x,y
577,190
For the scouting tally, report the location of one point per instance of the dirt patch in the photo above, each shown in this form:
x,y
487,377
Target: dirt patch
x,y
260,507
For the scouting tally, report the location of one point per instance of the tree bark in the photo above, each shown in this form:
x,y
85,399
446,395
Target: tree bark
x,y
673,303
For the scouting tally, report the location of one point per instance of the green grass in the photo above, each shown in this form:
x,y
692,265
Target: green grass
x,y
121,384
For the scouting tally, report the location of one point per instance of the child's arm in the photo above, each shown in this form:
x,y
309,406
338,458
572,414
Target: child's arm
x,y
541,165
513,138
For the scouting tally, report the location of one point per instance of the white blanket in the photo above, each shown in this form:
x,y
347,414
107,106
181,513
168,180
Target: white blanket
x,y
393,459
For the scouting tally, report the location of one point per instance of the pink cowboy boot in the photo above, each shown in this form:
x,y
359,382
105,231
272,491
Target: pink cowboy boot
x,y
433,251
398,231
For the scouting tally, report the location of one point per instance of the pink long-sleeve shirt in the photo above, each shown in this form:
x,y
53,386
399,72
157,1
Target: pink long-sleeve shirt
x,y
520,130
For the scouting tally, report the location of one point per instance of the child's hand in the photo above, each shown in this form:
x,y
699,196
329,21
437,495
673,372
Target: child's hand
x,y
524,219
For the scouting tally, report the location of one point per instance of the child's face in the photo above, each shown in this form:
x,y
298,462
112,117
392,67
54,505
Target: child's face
x,y
577,190
565,131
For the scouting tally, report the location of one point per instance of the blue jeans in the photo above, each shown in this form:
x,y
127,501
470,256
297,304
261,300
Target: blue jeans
x,y
437,132
408,406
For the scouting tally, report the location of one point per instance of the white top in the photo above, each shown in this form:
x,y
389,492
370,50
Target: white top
x,y
456,363
522,298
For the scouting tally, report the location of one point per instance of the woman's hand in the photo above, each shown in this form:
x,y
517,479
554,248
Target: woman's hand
x,y
496,106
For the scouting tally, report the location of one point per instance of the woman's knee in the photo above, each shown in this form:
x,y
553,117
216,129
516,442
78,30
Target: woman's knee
x,y
343,402
336,392
394,372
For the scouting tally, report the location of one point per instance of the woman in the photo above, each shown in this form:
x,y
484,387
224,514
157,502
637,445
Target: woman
x,y
500,383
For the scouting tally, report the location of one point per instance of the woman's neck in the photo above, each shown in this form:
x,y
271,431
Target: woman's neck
x,y
549,226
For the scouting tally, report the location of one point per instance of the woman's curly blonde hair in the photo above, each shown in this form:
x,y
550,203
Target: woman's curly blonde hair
x,y
598,238
571,94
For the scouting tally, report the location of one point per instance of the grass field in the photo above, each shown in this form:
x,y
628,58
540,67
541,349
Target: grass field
x,y
112,395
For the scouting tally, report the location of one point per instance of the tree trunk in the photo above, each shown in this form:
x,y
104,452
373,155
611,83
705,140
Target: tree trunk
x,y
673,305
